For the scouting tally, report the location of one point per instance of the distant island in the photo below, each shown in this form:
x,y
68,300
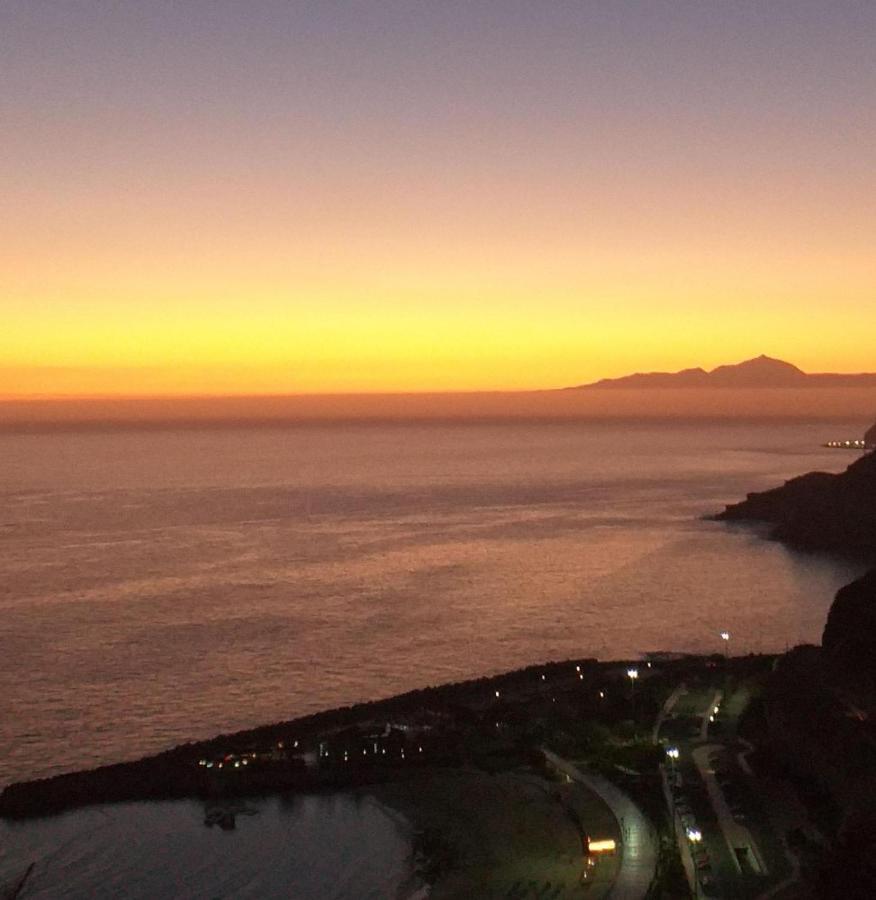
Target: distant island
x,y
761,372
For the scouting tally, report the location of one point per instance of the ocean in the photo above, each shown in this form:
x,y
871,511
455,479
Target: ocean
x,y
331,847
166,585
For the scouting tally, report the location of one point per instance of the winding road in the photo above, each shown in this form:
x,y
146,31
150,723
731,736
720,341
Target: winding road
x,y
638,863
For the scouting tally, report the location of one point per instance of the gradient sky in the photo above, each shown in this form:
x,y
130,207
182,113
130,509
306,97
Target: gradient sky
x,y
219,197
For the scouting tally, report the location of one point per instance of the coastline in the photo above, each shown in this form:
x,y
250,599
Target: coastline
x,y
288,750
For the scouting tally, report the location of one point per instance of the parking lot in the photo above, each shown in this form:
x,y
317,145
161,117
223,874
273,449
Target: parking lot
x,y
727,841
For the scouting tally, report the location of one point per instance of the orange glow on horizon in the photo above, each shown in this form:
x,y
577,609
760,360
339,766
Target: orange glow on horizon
x,y
309,200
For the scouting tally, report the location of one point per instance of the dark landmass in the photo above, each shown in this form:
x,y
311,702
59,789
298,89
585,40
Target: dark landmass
x,y
820,729
819,511
870,437
761,372
818,725
451,725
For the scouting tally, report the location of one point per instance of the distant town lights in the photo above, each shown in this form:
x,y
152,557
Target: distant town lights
x,y
694,835
725,635
672,752
632,674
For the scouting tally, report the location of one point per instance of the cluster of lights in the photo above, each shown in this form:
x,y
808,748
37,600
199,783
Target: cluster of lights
x,y
229,760
376,751
694,835
847,445
672,752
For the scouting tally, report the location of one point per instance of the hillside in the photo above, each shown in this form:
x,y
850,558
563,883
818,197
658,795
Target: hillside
x,y
819,511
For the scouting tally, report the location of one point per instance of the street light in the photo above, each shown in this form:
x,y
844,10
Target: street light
x,y
672,754
633,674
694,835
725,637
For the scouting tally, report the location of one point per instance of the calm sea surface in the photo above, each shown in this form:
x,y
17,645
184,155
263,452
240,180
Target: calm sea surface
x,y
335,847
162,586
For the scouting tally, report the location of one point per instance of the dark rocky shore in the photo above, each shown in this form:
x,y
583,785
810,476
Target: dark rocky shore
x,y
289,755
178,772
819,511
819,723
388,740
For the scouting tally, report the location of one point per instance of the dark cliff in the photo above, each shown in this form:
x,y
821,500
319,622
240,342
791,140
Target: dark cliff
x,y
821,727
870,437
819,511
849,640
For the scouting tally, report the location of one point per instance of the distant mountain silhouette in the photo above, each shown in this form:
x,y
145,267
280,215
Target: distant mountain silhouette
x,y
761,372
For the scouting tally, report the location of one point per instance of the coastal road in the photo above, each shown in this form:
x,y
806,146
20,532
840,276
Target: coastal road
x,y
638,863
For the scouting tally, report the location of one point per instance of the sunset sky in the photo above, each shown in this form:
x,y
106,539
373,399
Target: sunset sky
x,y
233,197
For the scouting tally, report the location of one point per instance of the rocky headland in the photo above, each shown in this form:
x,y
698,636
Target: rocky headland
x,y
819,708
819,511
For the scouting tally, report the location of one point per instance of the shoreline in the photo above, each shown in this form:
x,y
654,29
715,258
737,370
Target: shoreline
x,y
286,755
